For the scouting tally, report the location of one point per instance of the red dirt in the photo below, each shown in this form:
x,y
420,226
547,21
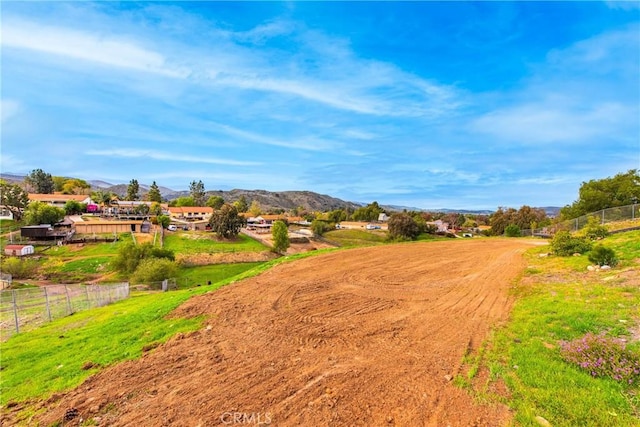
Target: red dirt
x,y
365,337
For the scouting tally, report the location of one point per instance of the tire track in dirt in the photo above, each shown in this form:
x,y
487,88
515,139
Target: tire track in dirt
x,y
361,337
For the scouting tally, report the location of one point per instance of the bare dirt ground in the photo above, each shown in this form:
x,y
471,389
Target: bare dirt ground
x,y
365,337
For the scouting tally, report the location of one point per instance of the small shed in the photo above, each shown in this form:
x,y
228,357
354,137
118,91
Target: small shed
x,y
18,250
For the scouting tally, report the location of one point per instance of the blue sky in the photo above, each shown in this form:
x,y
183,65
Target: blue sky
x,y
425,104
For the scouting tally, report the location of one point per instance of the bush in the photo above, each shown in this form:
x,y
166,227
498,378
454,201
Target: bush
x,y
153,270
320,227
564,244
512,230
602,356
20,268
601,255
403,226
594,230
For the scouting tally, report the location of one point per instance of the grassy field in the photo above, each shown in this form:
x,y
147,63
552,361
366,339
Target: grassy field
x,y
558,299
51,358
353,238
196,276
206,242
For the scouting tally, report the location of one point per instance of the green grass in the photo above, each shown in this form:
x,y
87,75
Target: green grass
x,y
87,265
354,238
7,225
195,276
559,300
38,363
206,242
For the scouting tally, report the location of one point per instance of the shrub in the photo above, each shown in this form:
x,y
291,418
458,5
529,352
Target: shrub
x,y
20,268
403,226
512,230
594,230
564,244
153,270
320,227
601,255
602,356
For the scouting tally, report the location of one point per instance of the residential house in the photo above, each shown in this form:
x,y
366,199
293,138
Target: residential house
x,y
383,217
59,200
190,213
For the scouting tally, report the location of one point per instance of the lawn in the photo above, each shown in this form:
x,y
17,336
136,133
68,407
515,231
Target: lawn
x,y
197,276
354,238
207,242
558,299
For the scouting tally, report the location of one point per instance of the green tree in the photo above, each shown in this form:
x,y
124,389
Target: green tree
x,y
151,270
42,213
184,201
73,207
197,193
319,227
103,198
226,222
14,198
403,226
142,209
156,209
255,208
337,215
512,230
371,212
215,202
154,193
164,220
133,190
130,255
40,181
595,195
280,236
75,186
241,204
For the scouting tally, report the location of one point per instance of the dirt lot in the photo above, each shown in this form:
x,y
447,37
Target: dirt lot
x,y
366,337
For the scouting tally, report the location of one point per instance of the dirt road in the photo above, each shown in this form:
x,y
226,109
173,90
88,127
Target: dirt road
x,y
361,337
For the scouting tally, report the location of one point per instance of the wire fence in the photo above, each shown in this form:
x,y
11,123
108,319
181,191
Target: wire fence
x,y
24,309
624,217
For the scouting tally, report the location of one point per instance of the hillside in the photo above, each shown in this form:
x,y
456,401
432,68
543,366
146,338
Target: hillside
x,y
286,199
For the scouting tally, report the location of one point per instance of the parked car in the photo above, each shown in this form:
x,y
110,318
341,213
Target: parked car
x,y
172,227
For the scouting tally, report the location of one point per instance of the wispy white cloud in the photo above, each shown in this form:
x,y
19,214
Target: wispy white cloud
x,y
8,109
167,156
84,45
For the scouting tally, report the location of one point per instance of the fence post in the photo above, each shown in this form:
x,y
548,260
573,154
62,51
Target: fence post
x,y
165,285
46,301
86,291
602,216
66,291
15,311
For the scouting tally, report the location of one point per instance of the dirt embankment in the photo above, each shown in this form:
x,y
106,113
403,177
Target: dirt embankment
x,y
366,337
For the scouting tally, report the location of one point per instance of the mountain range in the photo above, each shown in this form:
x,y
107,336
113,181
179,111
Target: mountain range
x,y
268,200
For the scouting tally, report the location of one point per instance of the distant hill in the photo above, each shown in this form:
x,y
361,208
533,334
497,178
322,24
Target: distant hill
x,y
270,200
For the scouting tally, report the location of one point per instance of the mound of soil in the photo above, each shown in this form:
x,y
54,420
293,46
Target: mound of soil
x,y
365,337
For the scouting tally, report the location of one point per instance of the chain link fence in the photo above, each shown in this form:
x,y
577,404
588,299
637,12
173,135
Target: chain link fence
x,y
23,309
626,217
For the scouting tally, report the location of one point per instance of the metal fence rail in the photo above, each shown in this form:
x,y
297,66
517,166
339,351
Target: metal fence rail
x,y
22,309
605,216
